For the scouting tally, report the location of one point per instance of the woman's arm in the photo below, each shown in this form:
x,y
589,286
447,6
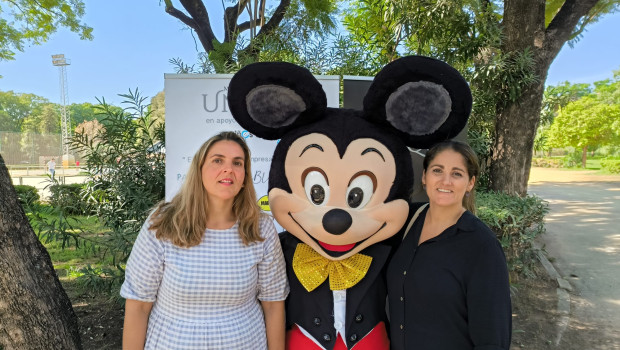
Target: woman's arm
x,y
274,324
488,300
136,319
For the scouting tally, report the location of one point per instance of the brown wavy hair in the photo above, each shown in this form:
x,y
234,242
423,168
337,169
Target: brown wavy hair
x,y
183,220
471,163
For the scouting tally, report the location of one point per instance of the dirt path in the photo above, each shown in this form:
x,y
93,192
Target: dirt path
x,y
583,243
540,175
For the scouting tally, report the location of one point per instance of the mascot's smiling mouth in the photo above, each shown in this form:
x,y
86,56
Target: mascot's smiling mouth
x,y
336,250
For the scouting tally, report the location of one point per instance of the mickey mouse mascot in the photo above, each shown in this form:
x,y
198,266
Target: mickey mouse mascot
x,y
339,184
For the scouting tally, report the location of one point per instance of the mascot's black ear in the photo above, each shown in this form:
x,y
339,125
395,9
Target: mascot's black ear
x,y
270,98
424,99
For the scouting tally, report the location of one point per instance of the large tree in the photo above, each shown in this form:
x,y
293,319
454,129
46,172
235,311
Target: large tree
x,y
504,48
554,99
589,121
31,22
16,107
585,123
542,28
248,25
35,312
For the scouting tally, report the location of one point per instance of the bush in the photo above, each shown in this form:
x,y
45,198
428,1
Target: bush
x,y
611,165
68,198
516,221
546,163
126,179
27,195
572,160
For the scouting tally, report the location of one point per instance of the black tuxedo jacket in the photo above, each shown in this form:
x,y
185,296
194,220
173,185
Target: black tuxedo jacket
x,y
314,311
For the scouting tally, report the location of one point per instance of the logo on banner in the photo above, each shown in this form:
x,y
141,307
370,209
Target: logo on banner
x,y
219,96
263,203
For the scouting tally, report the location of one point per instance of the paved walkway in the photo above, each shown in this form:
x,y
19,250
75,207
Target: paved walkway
x,y
583,243
39,178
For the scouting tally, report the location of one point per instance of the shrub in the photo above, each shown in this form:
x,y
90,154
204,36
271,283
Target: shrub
x,y
572,160
68,198
27,195
516,221
611,165
546,163
126,179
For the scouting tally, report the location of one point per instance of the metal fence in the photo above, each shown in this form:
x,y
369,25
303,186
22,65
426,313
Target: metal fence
x,y
30,149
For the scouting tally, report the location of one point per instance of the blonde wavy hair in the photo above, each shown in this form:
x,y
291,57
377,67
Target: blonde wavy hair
x,y
183,220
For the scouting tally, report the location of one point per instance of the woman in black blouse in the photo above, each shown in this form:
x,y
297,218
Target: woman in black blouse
x,y
448,283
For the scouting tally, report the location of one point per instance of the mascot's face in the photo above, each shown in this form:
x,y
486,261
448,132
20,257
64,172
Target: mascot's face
x,y
339,178
337,205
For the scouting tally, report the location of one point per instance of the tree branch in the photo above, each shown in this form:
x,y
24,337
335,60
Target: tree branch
x,y
268,28
247,25
563,24
181,16
198,20
231,15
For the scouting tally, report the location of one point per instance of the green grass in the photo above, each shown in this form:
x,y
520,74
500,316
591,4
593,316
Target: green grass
x,y
592,163
67,252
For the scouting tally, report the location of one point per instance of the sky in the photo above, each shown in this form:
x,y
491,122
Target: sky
x,y
134,41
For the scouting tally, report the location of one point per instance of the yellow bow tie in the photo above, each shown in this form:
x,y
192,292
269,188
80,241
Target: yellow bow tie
x,y
312,269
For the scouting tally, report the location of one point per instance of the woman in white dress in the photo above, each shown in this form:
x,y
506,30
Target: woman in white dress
x,y
206,271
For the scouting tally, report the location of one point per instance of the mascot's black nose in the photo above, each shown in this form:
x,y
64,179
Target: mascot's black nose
x,y
337,221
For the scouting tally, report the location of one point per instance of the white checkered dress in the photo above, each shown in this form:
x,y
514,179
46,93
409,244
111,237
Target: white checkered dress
x,y
207,296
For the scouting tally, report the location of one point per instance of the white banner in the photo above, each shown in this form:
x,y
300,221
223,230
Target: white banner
x,y
197,108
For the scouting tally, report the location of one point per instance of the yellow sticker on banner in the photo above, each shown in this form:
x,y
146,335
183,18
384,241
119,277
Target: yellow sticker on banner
x,y
263,203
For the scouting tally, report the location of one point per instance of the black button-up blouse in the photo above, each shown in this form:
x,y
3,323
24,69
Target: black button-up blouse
x,y
452,291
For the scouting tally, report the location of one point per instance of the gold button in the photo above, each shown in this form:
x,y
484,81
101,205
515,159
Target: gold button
x,y
401,326
404,272
401,298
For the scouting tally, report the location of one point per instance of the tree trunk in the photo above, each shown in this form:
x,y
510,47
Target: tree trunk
x,y
584,156
35,312
516,123
515,130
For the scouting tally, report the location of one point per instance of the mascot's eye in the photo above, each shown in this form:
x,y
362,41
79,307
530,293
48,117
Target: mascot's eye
x,y
316,187
317,194
360,191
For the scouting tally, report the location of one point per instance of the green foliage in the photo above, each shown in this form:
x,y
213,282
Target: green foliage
x,y
126,179
507,74
158,109
585,122
27,195
558,96
52,225
611,165
126,174
16,107
25,22
44,121
608,90
82,112
480,142
75,243
571,160
68,198
454,31
101,279
578,116
516,221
